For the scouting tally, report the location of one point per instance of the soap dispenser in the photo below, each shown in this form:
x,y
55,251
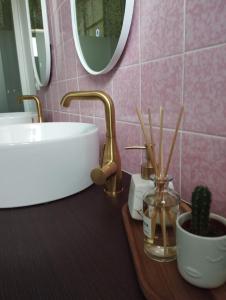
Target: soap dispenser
x,y
140,184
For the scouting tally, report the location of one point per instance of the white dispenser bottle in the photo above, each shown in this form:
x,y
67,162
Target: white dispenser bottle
x,y
139,185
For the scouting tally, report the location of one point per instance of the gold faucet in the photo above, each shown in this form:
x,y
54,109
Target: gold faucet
x,y
37,102
109,173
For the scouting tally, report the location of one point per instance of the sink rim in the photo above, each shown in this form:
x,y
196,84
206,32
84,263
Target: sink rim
x,y
51,126
16,114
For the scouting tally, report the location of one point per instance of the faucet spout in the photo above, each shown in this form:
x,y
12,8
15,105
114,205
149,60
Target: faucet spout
x,y
89,95
37,103
109,173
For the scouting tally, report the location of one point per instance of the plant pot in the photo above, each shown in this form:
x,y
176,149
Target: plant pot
x,y
201,260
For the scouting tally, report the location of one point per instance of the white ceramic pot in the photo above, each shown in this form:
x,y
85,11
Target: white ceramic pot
x,y
201,260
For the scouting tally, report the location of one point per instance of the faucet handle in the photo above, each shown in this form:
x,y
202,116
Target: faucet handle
x,y
100,175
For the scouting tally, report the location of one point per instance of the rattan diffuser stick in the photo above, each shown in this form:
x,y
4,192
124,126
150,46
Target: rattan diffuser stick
x,y
147,139
161,176
161,143
152,141
174,140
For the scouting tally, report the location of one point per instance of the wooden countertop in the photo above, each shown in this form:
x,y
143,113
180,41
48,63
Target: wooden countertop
x,y
74,248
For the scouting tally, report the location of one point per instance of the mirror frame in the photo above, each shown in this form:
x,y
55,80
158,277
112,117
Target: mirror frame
x,y
45,82
127,20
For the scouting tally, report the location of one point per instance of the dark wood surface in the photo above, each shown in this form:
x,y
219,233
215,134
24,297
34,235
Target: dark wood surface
x,y
162,281
74,248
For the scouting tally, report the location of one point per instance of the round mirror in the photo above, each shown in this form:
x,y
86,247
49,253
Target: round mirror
x,y
100,29
39,40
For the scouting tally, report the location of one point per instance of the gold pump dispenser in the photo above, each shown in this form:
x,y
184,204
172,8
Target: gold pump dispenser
x,y
146,168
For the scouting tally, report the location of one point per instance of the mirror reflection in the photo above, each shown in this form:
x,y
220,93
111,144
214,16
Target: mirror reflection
x,y
37,32
99,26
101,29
10,86
39,40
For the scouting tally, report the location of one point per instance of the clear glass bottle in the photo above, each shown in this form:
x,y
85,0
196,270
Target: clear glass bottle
x,y
160,211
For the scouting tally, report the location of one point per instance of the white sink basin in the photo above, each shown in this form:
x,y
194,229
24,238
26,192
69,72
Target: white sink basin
x,y
42,162
16,118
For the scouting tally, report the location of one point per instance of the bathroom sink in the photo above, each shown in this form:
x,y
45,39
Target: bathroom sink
x,y
42,162
16,117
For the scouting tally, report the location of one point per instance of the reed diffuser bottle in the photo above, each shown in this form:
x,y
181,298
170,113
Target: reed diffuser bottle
x,y
160,211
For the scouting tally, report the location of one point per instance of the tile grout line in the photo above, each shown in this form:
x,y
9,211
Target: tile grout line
x,y
201,134
77,79
61,109
182,98
184,52
140,63
140,77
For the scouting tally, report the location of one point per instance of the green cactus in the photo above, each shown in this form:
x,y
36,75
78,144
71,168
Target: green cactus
x,y
201,200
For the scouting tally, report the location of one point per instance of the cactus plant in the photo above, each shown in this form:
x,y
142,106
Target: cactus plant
x,y
201,200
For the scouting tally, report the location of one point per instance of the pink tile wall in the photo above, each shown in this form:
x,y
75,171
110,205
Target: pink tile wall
x,y
175,54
